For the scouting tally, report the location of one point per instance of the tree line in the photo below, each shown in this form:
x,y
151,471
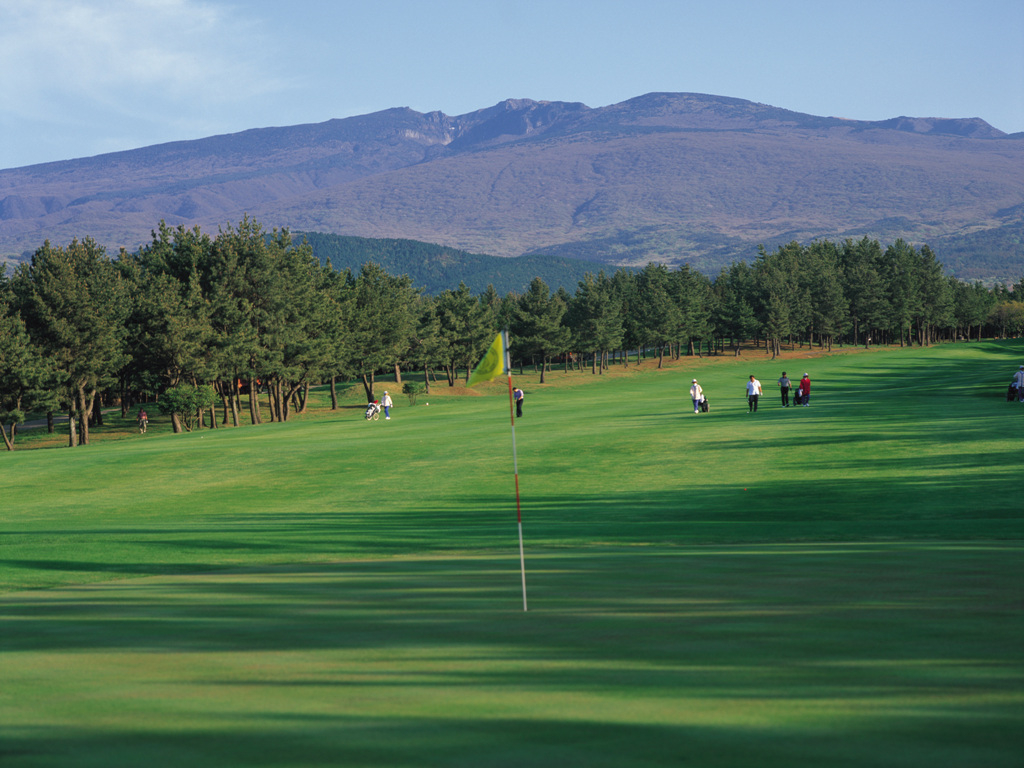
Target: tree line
x,y
236,328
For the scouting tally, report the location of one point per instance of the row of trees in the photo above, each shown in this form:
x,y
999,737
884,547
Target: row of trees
x,y
248,313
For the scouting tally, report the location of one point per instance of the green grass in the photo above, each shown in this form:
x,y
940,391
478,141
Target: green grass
x,y
836,585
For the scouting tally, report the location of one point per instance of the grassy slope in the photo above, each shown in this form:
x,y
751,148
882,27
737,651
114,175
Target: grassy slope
x,y
837,584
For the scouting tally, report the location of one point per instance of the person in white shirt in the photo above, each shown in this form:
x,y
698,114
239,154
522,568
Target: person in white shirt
x,y
518,396
696,394
1018,381
386,402
753,392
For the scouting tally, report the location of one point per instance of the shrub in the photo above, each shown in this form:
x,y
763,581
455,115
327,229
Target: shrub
x,y
185,400
412,388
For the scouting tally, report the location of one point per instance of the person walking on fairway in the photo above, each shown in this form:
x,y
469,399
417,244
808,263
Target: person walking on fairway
x,y
784,385
805,390
386,402
753,392
518,396
1018,382
696,394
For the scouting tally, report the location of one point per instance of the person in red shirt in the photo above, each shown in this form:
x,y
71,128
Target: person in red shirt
x,y
805,390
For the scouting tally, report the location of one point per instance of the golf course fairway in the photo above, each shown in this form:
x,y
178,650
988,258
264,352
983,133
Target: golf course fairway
x,y
837,585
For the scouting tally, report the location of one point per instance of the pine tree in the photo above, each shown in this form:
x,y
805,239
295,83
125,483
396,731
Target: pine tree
x,y
537,329
75,307
382,323
659,318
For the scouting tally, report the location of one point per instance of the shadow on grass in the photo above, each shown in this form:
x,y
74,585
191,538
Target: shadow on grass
x,y
826,654
503,742
973,499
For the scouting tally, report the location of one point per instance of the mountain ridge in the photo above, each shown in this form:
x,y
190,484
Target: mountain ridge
x,y
671,177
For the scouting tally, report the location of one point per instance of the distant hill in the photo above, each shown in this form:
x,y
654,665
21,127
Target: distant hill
x,y
671,177
436,267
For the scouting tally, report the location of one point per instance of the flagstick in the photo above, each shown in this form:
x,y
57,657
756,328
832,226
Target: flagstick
x,y
515,467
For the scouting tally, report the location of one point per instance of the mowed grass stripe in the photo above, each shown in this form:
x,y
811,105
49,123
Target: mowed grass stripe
x,y
886,654
896,444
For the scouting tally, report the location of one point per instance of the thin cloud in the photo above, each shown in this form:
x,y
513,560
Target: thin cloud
x,y
180,63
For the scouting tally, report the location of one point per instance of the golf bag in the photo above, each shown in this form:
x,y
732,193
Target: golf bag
x,y
704,407
373,411
1011,393
797,399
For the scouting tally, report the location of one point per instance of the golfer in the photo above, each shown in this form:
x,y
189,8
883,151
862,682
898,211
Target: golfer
x,y
518,396
784,385
1018,382
386,402
697,395
805,390
753,392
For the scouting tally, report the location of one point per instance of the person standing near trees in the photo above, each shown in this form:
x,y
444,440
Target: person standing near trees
x,y
805,390
143,421
386,403
696,394
518,396
753,392
784,385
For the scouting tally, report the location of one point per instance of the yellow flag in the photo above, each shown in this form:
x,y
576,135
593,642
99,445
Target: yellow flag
x,y
493,363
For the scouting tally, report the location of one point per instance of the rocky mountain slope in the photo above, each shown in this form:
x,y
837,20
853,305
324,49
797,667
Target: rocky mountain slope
x,y
672,177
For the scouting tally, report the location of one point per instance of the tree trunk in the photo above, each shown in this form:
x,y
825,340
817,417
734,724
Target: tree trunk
x,y
368,386
72,434
334,394
218,387
8,441
274,399
233,399
86,402
426,380
289,399
398,377
283,400
254,403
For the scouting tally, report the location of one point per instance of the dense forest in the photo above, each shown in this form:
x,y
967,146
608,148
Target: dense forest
x,y
435,268
209,325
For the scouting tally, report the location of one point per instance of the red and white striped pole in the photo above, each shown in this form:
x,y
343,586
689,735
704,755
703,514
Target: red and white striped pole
x,y
515,462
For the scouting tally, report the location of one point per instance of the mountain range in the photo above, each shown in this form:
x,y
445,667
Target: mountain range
x,y
670,177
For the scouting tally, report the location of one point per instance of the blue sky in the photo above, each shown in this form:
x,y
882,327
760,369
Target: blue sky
x,y
84,77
